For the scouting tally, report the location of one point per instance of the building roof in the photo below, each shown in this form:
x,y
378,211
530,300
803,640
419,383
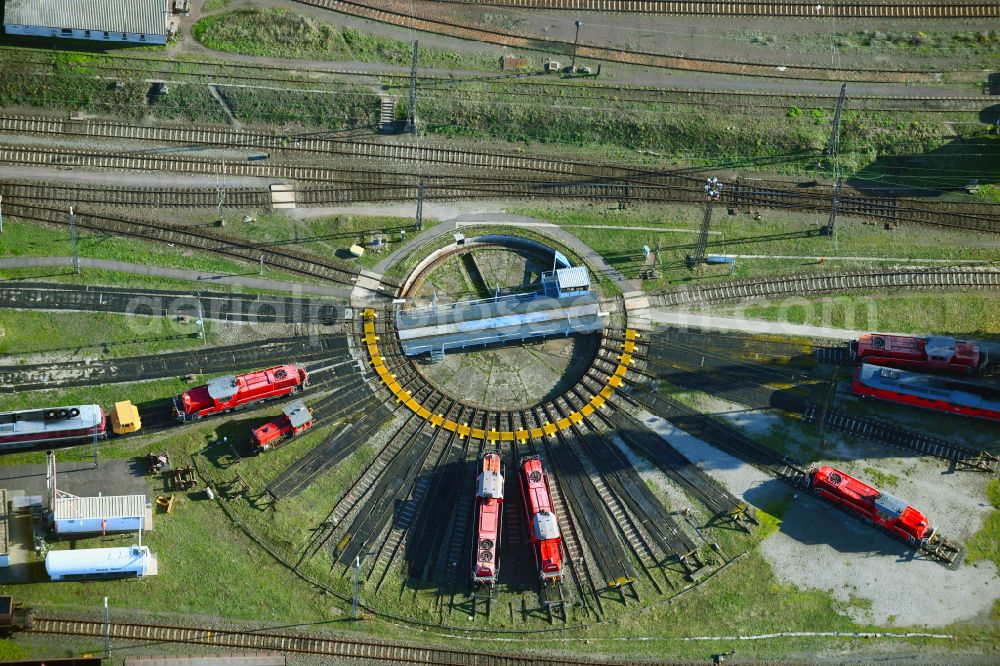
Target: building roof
x,y
107,506
135,16
571,278
208,660
297,413
47,420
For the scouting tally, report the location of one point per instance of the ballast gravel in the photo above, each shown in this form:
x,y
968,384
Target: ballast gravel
x,y
878,579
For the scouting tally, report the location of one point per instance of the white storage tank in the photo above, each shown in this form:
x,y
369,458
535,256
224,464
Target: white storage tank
x,y
96,563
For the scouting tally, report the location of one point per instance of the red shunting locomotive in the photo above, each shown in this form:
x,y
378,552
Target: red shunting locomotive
x,y
546,540
935,353
884,510
295,419
489,513
225,394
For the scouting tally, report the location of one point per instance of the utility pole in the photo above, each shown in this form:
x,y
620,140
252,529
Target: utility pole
x,y
201,322
107,631
576,42
72,236
712,188
420,205
411,113
357,576
261,264
220,188
828,229
833,151
1,214
833,145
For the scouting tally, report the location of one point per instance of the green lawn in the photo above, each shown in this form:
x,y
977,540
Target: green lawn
x,y
780,233
209,569
101,333
985,544
283,33
328,237
29,239
975,314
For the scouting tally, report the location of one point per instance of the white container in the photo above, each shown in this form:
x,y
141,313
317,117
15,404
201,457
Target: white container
x,y
98,515
96,563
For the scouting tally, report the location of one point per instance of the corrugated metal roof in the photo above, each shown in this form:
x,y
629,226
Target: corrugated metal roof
x,y
135,16
214,660
109,506
570,278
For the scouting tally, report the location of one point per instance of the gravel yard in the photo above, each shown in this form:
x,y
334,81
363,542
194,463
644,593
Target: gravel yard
x,y
874,576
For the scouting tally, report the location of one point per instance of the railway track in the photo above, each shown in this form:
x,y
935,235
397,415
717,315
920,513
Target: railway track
x,y
746,382
195,238
530,175
732,441
206,72
901,278
368,651
251,308
17,378
790,9
437,19
445,87
404,187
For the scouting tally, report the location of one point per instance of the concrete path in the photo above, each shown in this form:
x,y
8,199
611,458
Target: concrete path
x,y
591,257
177,274
700,321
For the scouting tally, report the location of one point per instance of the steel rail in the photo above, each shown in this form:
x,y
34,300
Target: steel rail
x,y
386,11
200,239
969,9
291,643
900,278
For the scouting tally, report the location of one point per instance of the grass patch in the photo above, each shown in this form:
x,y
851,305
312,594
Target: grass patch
x,y
985,544
619,237
881,479
973,314
108,334
281,33
105,394
30,239
329,237
771,515
212,5
198,550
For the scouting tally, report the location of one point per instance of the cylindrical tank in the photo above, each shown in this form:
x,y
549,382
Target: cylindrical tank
x,y
92,563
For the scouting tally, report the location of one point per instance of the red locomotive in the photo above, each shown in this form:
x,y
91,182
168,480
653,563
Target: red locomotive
x,y
545,538
489,511
295,418
224,394
935,353
884,510
31,427
941,394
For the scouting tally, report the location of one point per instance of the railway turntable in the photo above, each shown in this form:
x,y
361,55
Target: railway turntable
x,y
564,306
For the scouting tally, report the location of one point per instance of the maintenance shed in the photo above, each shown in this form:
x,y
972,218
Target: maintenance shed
x,y
111,513
140,21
